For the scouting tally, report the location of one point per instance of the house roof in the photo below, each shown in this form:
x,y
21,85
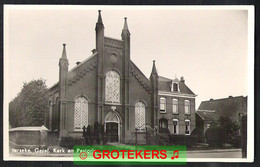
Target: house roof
x,y
165,85
208,114
221,107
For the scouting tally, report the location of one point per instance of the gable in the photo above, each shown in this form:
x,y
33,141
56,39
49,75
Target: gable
x,y
78,72
141,78
165,85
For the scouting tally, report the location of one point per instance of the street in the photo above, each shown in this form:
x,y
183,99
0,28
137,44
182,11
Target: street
x,y
231,153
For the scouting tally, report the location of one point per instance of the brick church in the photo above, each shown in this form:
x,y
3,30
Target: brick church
x,y
110,89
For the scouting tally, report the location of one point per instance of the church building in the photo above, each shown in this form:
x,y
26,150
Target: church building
x,y
110,89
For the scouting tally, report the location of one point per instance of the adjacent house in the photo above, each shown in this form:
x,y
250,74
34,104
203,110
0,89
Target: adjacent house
x,y
209,112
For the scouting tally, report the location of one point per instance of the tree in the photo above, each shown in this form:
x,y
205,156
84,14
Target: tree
x,y
213,136
230,128
29,107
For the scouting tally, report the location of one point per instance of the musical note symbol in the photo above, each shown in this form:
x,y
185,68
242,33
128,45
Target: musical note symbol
x,y
175,156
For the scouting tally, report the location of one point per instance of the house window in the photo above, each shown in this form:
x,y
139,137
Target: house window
x,y
175,126
140,115
163,125
208,126
175,87
187,127
163,105
81,113
174,106
112,87
187,106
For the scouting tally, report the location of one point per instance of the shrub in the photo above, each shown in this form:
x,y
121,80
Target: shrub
x,y
97,132
236,141
214,136
89,139
187,140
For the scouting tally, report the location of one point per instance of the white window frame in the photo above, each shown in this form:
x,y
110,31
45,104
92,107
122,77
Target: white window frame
x,y
177,106
187,120
177,127
172,87
185,111
163,110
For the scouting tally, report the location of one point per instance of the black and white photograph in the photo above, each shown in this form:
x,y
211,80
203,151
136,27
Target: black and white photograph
x,y
127,76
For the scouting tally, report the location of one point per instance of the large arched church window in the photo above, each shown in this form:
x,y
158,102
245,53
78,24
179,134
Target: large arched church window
x,y
140,115
112,90
81,113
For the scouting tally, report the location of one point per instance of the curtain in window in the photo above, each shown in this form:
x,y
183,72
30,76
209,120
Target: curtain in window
x,y
187,107
175,106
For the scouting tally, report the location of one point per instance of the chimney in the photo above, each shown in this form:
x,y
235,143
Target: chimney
x,y
78,62
93,51
182,79
230,96
211,99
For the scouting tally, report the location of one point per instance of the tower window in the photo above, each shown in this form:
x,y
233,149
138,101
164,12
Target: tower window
x,y
112,87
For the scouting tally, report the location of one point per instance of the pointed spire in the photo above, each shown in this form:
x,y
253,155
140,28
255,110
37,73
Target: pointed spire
x,y
125,31
64,54
125,24
99,17
154,71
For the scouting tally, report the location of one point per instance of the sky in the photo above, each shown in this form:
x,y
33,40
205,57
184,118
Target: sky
x,y
208,47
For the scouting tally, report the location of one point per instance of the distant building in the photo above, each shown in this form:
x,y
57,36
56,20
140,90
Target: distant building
x,y
209,112
110,89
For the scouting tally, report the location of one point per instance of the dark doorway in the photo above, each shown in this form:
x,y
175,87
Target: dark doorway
x,y
112,131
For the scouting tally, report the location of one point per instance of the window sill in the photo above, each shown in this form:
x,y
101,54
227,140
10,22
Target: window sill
x,y
77,130
163,112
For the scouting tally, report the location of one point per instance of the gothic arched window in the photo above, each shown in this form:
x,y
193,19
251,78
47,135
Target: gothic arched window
x,y
140,115
81,113
112,89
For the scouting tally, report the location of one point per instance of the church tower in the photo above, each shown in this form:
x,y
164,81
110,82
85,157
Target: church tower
x,y
100,67
154,80
125,67
63,71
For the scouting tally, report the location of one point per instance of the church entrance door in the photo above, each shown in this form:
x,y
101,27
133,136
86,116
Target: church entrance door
x,y
112,127
112,131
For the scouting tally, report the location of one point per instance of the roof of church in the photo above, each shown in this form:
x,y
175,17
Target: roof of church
x,y
221,107
90,63
135,71
165,85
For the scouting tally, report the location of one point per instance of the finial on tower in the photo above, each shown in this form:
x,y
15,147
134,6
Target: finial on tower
x,y
64,54
154,71
99,17
125,24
